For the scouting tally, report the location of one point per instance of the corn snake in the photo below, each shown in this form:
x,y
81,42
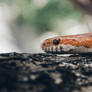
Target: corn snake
x,y
80,43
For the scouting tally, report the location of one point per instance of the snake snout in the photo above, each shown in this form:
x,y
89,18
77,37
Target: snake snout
x,y
46,45
51,45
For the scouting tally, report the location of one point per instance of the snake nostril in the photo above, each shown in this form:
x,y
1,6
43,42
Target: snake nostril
x,y
56,41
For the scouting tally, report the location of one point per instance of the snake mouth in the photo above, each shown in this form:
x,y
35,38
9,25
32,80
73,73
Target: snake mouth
x,y
67,49
53,49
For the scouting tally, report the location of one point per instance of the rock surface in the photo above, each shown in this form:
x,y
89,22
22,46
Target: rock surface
x,y
45,73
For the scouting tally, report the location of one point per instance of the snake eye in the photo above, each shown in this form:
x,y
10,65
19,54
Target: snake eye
x,y
56,41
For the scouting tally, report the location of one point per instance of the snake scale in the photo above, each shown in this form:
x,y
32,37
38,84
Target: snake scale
x,y
80,43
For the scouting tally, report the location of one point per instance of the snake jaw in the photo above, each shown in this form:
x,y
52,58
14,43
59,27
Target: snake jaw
x,y
67,49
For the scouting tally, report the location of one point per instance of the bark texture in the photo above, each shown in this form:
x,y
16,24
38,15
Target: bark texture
x,y
45,73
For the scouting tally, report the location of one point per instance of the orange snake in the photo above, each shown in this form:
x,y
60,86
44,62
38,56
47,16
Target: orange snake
x,y
81,43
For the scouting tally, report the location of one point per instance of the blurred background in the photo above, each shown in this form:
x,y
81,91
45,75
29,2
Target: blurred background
x,y
24,24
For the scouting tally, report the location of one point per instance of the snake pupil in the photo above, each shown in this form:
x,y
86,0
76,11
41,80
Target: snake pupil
x,y
56,41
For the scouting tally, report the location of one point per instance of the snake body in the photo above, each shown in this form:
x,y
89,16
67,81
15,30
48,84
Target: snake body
x,y
81,43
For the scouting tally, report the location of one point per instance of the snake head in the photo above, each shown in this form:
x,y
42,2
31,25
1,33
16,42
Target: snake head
x,y
51,45
68,44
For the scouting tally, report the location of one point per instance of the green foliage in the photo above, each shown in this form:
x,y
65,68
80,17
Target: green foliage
x,y
55,9
42,18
